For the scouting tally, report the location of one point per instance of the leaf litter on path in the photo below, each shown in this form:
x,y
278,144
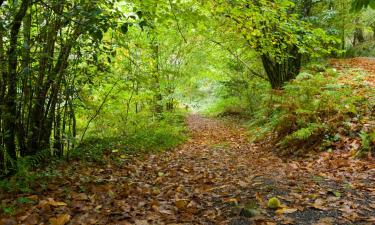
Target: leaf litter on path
x,y
216,177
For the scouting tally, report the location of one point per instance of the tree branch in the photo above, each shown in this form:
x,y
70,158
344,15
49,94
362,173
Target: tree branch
x,y
239,59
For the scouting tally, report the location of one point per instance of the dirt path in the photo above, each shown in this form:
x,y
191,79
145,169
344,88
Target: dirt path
x,y
217,177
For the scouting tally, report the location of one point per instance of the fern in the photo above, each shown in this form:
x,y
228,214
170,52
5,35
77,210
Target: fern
x,y
34,160
305,133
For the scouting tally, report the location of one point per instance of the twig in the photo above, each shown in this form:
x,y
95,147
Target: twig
x,y
178,24
97,112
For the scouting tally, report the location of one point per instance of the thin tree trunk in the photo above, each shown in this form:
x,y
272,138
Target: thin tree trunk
x,y
37,121
2,96
25,95
11,98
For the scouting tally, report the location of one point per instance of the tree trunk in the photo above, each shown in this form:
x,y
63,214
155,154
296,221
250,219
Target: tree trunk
x,y
3,76
54,81
358,36
26,86
158,97
373,30
11,98
279,73
37,120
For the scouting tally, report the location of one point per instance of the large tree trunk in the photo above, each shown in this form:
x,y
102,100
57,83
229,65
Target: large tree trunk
x,y
279,73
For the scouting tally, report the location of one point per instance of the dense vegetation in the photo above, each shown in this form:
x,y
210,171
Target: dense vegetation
x,y
77,72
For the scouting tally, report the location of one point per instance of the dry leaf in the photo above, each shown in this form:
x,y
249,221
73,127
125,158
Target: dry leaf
x,y
141,222
7,222
285,210
318,204
325,221
60,220
52,202
181,203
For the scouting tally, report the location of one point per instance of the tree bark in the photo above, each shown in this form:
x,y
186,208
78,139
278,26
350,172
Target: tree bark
x,y
11,98
279,73
38,120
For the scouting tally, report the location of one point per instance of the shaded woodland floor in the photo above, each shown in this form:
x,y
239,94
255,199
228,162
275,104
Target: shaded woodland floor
x,y
217,177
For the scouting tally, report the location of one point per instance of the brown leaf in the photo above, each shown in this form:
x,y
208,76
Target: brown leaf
x,y
325,221
318,204
60,220
80,197
243,184
141,222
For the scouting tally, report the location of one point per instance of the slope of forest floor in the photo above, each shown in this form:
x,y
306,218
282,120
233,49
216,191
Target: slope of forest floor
x,y
217,177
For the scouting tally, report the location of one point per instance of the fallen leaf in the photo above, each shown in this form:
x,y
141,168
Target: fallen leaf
x,y
318,204
141,222
7,222
60,220
52,202
325,221
181,203
285,210
243,184
80,197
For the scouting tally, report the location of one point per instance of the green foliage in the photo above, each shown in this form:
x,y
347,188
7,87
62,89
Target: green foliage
x,y
311,108
367,141
273,28
366,49
231,106
360,4
147,135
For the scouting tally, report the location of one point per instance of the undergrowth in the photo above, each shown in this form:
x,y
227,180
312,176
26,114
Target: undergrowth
x,y
321,109
152,135
365,49
316,110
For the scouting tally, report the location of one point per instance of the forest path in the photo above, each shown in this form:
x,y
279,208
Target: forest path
x,y
359,63
216,177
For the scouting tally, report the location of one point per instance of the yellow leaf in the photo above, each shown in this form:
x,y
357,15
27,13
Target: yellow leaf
x,y
52,202
181,203
60,220
285,210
